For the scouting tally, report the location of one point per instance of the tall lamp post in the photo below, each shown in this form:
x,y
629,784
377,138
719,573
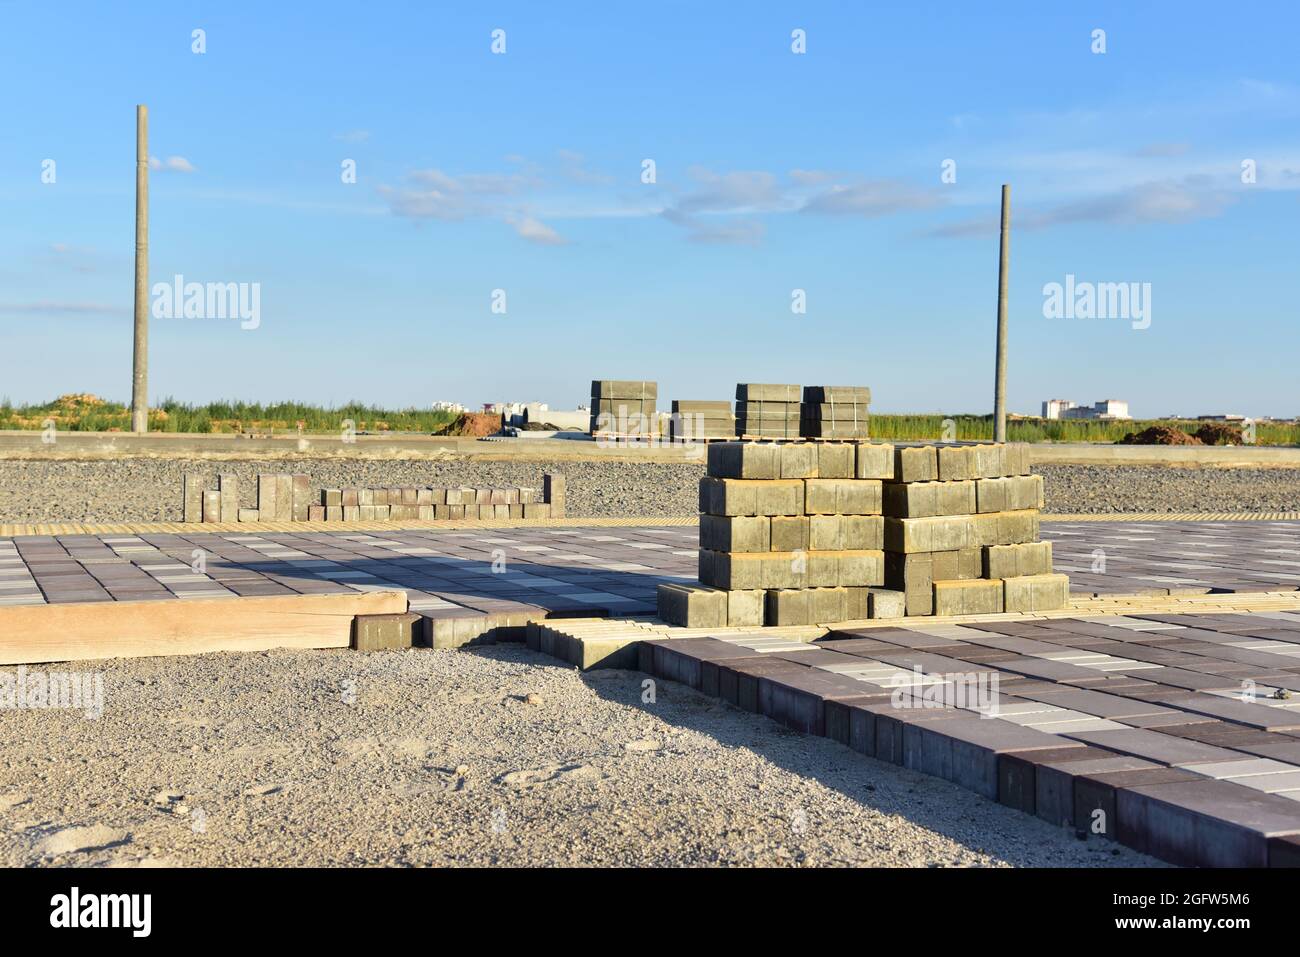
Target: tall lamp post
x,y
140,360
1000,381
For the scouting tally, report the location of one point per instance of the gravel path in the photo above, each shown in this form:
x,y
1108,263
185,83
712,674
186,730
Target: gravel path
x,y
149,490
439,758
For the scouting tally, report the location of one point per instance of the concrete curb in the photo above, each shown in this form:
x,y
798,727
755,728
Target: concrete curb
x,y
19,444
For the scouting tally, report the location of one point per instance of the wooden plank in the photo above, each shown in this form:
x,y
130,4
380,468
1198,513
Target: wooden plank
x,y
81,631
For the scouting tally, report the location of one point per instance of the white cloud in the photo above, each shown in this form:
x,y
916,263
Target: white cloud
x,y
447,197
574,167
55,308
488,184
872,198
812,177
1164,202
176,164
535,231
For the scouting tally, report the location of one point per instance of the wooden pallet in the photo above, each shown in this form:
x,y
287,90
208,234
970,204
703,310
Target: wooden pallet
x,y
795,438
640,438
700,439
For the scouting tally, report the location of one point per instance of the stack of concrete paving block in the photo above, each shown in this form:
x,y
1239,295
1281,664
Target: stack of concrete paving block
x,y
768,411
790,534
624,408
961,532
836,412
290,498
694,420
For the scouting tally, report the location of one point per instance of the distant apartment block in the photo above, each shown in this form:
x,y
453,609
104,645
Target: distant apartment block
x,y
449,407
1104,409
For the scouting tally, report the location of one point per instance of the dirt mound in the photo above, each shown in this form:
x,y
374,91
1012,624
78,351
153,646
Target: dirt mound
x,y
474,424
1217,433
1159,435
78,401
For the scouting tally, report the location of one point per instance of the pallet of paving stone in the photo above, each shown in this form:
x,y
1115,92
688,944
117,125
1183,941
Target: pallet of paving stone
x,y
793,532
768,410
701,420
831,531
623,407
836,412
623,416
638,389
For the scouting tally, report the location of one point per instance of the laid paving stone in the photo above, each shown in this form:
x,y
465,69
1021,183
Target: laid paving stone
x,y
1157,747
1017,782
967,751
1205,823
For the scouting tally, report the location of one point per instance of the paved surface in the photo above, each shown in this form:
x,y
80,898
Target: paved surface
x,y
1177,735
1176,557
592,570
611,570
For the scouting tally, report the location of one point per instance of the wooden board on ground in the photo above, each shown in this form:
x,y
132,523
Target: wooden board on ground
x,y
82,631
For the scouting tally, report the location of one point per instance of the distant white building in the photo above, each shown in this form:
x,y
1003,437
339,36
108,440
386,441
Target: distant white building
x,y
517,408
449,407
1104,409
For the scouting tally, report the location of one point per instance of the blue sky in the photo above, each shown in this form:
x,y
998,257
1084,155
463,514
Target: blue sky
x,y
775,171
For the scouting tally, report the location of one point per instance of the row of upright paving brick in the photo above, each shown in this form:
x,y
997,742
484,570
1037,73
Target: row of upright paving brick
x,y
814,532
283,497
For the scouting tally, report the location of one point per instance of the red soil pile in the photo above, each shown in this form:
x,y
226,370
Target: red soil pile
x,y
1160,435
474,425
1216,433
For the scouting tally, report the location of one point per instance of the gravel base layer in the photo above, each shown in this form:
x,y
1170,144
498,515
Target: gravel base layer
x,y
149,490
1128,488
491,756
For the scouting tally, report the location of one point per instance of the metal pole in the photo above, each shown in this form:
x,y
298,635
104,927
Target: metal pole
x,y
140,364
1000,382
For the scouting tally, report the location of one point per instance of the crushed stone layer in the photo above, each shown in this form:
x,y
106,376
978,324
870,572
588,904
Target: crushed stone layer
x,y
149,490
